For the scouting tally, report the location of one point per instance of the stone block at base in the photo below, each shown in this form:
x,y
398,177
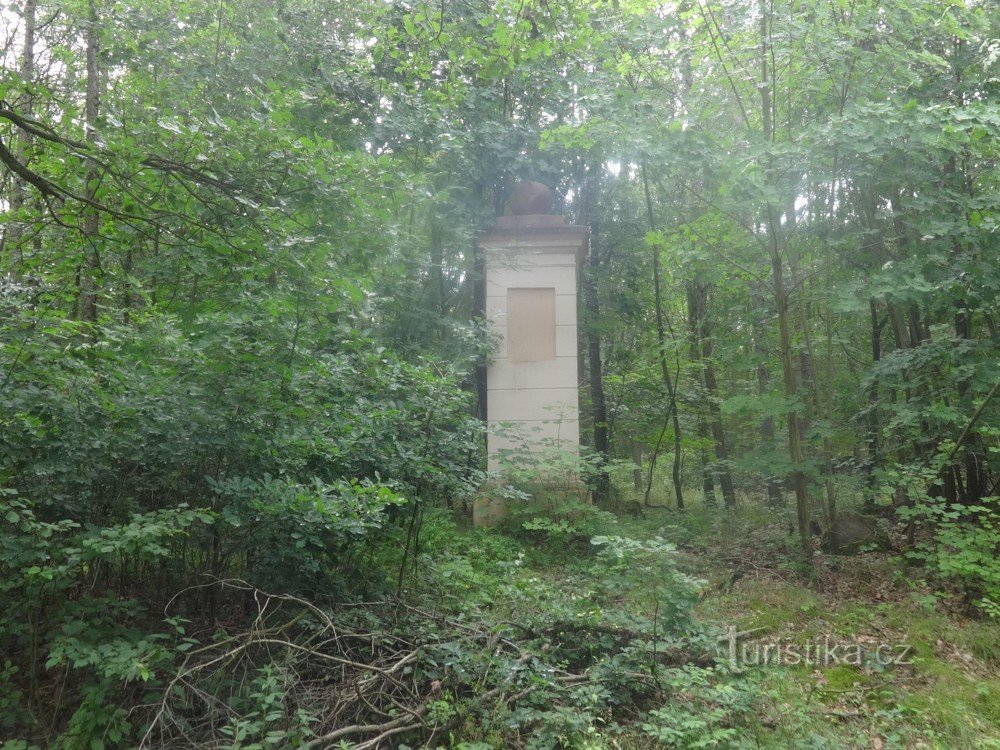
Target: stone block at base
x,y
490,508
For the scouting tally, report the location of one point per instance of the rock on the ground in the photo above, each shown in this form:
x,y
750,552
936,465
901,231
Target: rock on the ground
x,y
851,532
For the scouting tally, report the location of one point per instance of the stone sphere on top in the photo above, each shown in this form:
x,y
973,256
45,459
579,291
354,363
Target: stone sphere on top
x,y
530,198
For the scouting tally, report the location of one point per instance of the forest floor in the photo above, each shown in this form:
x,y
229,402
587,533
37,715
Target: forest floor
x,y
858,615
945,693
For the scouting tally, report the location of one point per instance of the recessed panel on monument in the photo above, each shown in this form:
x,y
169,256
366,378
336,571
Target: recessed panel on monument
x,y
531,325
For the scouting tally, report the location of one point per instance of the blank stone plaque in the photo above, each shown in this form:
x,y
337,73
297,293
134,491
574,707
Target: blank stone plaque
x,y
531,325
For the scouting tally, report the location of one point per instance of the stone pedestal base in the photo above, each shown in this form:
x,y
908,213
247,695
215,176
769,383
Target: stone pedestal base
x,y
489,507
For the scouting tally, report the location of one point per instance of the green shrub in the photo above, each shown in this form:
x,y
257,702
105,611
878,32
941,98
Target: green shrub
x,y
969,554
172,451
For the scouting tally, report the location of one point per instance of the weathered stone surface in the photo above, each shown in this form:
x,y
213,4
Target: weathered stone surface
x,y
532,397
530,198
852,532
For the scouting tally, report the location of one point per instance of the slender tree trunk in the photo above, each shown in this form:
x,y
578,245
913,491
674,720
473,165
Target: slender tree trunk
x,y
977,480
802,505
479,313
435,276
899,329
598,403
707,475
718,432
806,357
90,272
773,485
976,484
661,342
775,249
636,465
874,459
831,488
818,405
695,313
807,373
911,331
893,320
698,293
14,236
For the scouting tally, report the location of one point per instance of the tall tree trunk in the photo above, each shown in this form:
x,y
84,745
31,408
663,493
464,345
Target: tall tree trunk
x,y
598,403
718,432
874,458
479,314
89,275
802,505
817,403
14,236
698,293
661,345
973,455
974,452
773,485
831,488
806,357
435,273
776,250
707,475
694,326
636,465
894,315
911,331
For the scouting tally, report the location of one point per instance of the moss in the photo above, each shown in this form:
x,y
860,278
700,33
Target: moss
x,y
853,618
845,677
771,606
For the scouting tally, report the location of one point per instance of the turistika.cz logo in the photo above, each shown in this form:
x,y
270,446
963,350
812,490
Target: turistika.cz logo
x,y
822,651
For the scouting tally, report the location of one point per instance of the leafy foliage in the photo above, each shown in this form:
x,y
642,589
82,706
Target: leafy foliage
x,y
138,465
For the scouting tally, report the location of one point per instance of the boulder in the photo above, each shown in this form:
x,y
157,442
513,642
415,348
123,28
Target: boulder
x,y
851,532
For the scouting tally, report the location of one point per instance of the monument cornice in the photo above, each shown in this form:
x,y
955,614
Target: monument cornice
x,y
540,233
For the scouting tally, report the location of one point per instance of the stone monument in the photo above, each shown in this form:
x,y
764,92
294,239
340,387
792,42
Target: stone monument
x,y
532,263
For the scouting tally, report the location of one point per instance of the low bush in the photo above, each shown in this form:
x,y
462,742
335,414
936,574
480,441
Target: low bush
x,y
172,453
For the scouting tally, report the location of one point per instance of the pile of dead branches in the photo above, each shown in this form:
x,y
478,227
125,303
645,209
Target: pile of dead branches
x,y
368,676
